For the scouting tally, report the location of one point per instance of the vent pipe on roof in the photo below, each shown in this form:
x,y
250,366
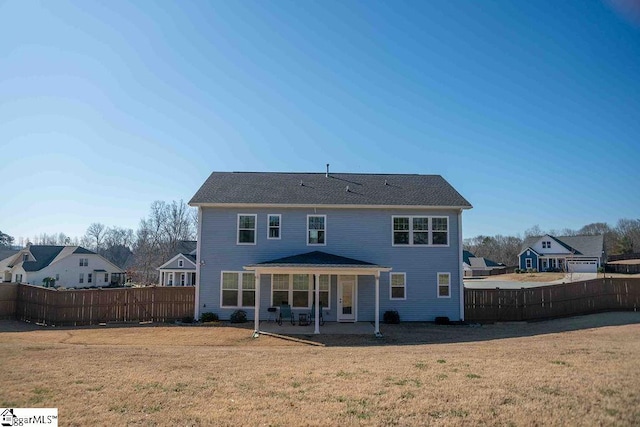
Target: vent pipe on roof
x,y
347,190
327,174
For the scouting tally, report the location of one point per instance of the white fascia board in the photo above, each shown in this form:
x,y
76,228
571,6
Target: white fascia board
x,y
328,206
319,270
175,258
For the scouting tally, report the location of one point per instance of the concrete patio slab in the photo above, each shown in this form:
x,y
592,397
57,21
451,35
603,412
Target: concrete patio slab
x,y
329,328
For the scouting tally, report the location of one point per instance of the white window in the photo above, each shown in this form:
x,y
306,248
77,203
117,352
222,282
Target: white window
x,y
25,257
324,291
238,289
528,262
81,279
316,230
247,229
444,285
180,263
398,286
182,279
89,277
273,226
420,231
106,277
170,279
18,278
297,290
84,262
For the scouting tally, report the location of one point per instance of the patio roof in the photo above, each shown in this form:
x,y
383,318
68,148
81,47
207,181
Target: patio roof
x,y
316,259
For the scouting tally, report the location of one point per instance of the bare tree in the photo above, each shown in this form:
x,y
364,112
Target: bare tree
x,y
95,234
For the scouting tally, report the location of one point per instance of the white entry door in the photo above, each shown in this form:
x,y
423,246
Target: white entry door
x,y
346,298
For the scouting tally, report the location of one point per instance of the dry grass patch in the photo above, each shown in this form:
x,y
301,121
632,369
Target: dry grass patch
x,y
520,374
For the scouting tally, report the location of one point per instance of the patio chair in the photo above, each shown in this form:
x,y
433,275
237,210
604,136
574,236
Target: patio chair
x,y
313,314
285,313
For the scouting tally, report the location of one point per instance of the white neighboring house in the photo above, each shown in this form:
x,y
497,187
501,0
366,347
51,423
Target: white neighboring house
x,y
573,254
181,269
70,266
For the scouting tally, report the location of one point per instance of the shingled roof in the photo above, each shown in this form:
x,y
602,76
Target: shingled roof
x,y
335,189
582,245
316,259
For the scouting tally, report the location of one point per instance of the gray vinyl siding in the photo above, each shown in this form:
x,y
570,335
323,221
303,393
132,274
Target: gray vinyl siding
x,y
187,265
363,234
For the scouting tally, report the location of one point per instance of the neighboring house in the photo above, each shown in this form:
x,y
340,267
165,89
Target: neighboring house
x,y
478,266
70,266
573,254
180,270
360,244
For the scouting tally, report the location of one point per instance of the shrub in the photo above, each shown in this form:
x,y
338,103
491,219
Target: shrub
x,y
391,316
209,317
238,316
517,271
187,319
442,320
600,269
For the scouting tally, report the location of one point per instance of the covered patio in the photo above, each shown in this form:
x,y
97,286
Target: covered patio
x,y
317,264
329,328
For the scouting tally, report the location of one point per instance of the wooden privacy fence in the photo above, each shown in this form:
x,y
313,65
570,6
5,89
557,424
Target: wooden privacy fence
x,y
546,302
8,297
95,306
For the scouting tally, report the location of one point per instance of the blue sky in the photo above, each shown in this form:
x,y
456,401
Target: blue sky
x,y
530,109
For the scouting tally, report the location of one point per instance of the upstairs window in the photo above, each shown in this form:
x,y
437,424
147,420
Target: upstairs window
x,y
246,229
84,262
546,245
316,229
25,257
420,231
180,263
273,226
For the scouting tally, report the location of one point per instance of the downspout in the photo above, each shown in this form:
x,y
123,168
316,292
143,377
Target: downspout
x,y
460,269
199,261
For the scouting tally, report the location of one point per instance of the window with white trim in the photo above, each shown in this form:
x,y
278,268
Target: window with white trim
x,y
81,278
180,263
273,226
89,277
297,290
444,285
527,262
25,257
238,289
316,229
183,277
398,286
84,262
420,230
106,277
324,291
170,279
247,229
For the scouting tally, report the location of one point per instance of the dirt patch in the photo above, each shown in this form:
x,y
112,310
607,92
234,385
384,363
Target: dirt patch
x,y
527,277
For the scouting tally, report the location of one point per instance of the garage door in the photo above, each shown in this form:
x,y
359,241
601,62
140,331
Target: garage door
x,y
582,266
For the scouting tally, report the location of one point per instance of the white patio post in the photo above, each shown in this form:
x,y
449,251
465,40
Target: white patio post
x,y
316,278
256,320
377,317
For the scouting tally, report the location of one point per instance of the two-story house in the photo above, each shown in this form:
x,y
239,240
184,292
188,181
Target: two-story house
x,y
360,244
69,266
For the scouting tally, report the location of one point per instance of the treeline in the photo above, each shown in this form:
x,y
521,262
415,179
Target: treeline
x,y
623,238
139,252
